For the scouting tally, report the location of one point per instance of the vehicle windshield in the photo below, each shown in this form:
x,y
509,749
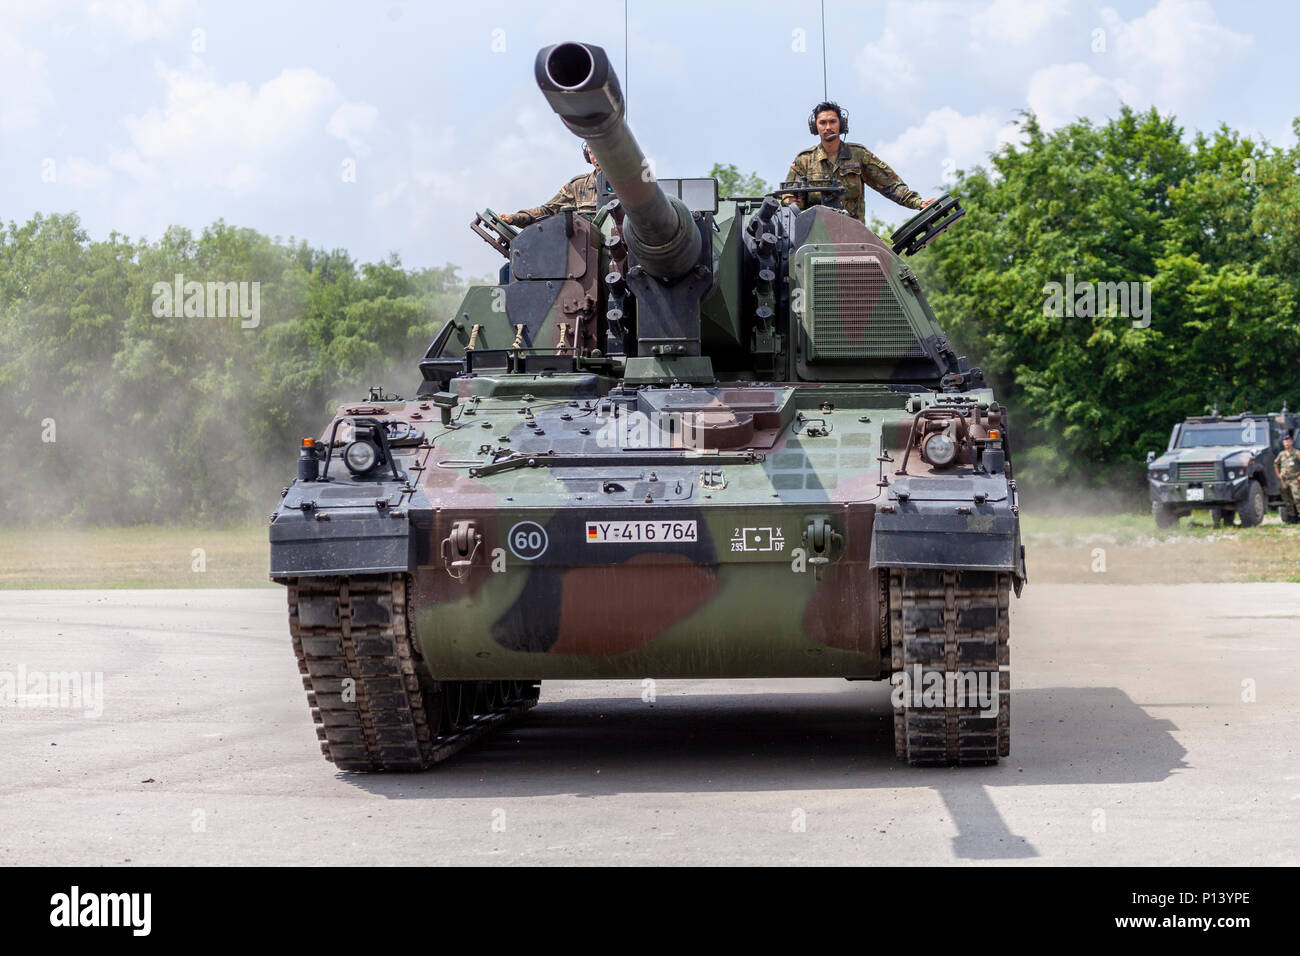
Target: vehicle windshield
x,y
1249,432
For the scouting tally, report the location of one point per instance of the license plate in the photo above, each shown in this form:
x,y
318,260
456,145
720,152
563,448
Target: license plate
x,y
622,532
1195,494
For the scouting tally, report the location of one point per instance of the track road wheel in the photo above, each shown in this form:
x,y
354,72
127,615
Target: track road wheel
x,y
951,684
1252,510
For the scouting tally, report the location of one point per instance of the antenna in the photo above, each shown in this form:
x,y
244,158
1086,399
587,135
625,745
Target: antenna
x,y
624,57
825,94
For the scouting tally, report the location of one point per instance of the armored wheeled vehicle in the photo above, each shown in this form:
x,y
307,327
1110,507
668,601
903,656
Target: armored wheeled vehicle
x,y
687,437
1222,464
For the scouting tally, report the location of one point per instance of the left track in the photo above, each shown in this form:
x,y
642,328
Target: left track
x,y
375,705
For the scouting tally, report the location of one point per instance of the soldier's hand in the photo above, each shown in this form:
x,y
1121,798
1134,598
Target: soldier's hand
x,y
507,218
792,201
926,203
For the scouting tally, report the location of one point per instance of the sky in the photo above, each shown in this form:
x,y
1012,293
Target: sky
x,y
383,127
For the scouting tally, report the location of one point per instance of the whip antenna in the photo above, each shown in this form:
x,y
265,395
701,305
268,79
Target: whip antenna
x,y
825,94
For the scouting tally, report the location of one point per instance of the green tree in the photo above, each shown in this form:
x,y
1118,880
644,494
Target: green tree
x,y
1212,223
732,183
161,417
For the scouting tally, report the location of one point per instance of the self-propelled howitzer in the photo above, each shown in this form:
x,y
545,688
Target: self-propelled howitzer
x,y
685,438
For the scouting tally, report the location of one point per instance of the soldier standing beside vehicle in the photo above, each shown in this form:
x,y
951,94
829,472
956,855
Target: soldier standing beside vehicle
x,y
1287,467
851,164
580,191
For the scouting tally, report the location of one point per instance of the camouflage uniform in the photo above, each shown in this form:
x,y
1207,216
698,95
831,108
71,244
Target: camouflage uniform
x,y
580,191
1288,469
853,166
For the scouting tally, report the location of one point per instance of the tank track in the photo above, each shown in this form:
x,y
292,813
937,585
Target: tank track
x,y
375,705
950,622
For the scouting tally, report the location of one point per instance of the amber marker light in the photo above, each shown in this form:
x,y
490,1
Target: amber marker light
x,y
994,434
309,443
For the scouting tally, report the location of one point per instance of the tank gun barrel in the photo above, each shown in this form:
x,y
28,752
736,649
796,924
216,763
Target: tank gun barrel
x,y
583,90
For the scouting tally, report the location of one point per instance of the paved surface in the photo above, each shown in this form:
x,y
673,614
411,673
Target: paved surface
x,y
1131,741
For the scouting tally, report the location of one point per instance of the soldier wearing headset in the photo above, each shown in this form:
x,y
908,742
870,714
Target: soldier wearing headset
x,y
851,164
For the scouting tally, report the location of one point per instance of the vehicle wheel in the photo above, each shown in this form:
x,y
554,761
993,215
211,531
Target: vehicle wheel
x,y
1164,515
1253,509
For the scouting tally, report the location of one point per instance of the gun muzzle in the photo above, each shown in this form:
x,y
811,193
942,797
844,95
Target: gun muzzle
x,y
583,90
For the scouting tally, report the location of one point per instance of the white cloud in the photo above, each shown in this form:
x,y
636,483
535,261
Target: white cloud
x,y
885,66
912,34
23,89
444,179
1170,55
919,41
229,135
1014,22
141,20
81,173
1062,93
355,124
128,161
943,142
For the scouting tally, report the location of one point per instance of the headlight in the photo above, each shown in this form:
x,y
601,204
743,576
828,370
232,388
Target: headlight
x,y
940,450
360,456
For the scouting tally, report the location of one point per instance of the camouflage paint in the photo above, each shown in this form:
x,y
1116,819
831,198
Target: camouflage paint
x,y
822,445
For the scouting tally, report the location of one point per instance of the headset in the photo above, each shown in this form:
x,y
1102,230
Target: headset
x,y
824,107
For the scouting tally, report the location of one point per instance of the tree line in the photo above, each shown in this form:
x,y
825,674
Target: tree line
x,y
126,399
1204,231
126,404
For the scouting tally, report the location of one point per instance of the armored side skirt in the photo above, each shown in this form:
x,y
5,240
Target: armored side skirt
x,y
988,541
341,542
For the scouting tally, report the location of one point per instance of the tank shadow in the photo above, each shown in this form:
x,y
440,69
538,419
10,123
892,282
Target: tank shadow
x,y
837,740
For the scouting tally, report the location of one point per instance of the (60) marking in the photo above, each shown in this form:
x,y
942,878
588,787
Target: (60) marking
x,y
527,540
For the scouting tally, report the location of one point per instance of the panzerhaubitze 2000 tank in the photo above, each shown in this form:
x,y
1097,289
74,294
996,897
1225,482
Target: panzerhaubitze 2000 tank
x,y
686,438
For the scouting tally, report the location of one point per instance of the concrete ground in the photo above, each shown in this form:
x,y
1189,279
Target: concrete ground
x,y
1151,725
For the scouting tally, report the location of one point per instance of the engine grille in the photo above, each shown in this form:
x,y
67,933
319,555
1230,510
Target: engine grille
x,y
1197,471
855,314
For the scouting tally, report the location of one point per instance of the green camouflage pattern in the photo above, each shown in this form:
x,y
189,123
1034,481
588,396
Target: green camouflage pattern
x,y
740,600
579,192
708,441
854,166
1288,468
763,504
1288,464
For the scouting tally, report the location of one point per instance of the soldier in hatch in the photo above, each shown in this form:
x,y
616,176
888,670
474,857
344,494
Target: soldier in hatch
x,y
851,164
1287,467
580,191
